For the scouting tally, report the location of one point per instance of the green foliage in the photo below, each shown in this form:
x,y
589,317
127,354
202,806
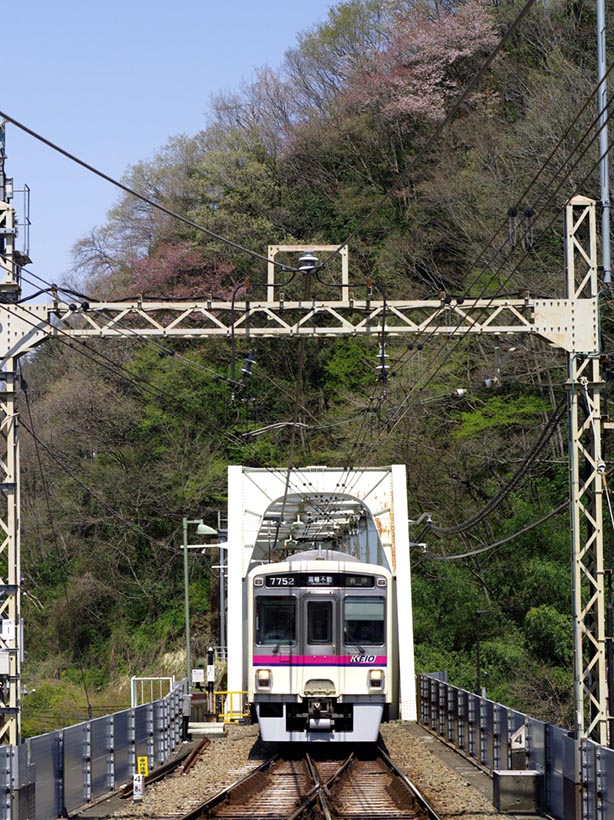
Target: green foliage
x,y
302,154
548,633
500,412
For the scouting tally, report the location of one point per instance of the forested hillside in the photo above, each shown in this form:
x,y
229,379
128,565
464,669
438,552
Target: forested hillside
x,y
130,443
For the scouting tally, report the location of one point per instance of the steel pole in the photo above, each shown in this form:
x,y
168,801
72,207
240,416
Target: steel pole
x,y
478,659
188,660
222,605
604,174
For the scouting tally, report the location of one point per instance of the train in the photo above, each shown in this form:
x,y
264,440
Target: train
x,y
322,663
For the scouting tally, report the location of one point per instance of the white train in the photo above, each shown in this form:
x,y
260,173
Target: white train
x,y
321,654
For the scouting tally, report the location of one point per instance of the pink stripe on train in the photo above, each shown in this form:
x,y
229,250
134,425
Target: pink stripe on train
x,y
320,660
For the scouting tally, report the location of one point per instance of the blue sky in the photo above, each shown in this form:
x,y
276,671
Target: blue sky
x,y
111,82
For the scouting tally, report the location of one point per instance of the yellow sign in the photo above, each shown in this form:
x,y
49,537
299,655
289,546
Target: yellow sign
x,y
142,766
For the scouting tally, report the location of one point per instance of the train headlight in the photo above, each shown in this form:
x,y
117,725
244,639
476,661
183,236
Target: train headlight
x,y
263,678
376,678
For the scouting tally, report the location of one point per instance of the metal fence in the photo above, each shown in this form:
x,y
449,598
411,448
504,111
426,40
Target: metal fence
x,y
502,739
52,775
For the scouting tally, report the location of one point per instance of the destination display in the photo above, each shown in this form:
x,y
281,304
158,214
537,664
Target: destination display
x,y
323,579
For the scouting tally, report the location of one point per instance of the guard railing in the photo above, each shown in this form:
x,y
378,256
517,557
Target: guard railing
x,y
498,738
52,775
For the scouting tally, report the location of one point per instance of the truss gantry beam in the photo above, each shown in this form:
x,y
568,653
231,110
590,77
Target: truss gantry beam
x,y
570,324
565,323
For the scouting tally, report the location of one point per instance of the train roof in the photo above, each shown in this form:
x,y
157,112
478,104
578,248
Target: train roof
x,y
322,561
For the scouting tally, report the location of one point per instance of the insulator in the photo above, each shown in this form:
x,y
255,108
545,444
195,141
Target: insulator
x,y
460,300
249,361
381,357
308,262
72,307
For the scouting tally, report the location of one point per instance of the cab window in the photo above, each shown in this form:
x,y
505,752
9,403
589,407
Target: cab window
x,y
275,620
319,622
364,620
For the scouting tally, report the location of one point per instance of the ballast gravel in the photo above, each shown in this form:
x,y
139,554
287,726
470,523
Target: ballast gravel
x,y
450,793
225,761
229,758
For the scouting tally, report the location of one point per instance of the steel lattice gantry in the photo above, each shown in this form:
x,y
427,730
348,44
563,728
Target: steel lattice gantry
x,y
586,479
570,324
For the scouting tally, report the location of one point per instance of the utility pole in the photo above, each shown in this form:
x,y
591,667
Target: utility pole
x,y
10,531
478,659
604,148
586,473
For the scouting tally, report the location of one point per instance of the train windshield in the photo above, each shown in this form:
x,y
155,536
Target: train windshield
x,y
364,621
275,620
319,622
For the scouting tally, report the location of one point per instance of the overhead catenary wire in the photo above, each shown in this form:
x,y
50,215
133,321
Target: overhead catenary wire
x,y
56,544
162,347
438,130
143,384
147,200
117,369
501,542
432,330
527,251
384,323
521,198
467,330
544,438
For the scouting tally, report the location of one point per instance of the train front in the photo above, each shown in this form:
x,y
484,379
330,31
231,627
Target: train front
x,y
321,660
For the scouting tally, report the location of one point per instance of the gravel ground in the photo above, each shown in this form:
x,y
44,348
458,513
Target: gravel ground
x,y
450,794
229,758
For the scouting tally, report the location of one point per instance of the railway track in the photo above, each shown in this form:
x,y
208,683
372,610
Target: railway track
x,y
352,788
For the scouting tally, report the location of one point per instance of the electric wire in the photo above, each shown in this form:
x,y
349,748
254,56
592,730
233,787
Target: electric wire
x,y
113,367
286,267
521,198
438,130
383,324
430,330
550,223
501,542
147,200
55,541
467,331
55,457
541,442
146,340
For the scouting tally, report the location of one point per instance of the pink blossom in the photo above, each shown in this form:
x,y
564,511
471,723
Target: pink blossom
x,y
180,270
426,62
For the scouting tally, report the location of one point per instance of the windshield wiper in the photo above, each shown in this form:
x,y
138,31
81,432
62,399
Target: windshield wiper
x,y
353,642
289,627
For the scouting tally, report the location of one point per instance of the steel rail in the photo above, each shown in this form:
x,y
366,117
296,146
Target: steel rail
x,y
321,790
204,808
195,755
325,797
417,795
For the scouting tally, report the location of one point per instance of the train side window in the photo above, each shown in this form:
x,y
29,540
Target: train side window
x,y
319,622
364,620
275,620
